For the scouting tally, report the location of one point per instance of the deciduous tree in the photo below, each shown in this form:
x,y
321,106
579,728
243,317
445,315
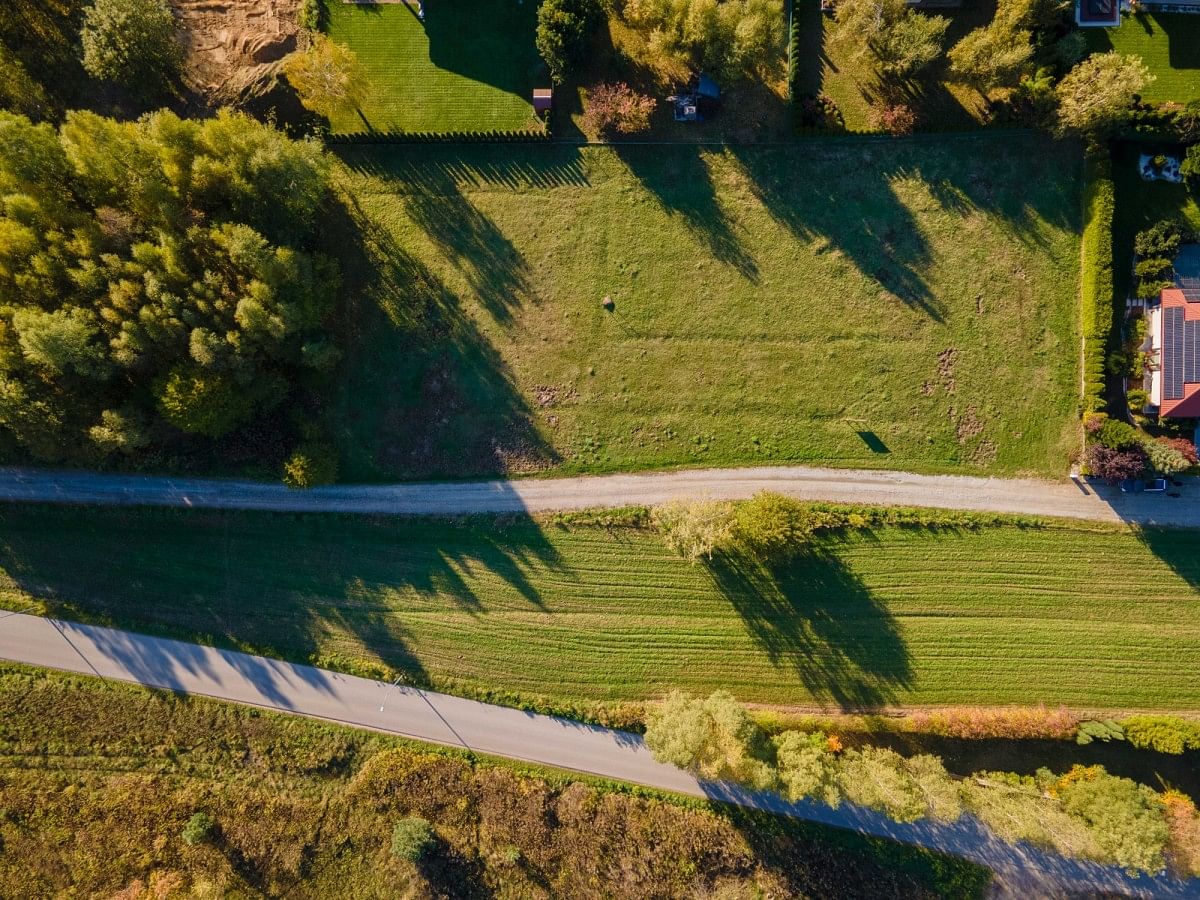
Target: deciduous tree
x,y
729,38
617,109
695,529
1124,817
131,42
712,737
1097,95
993,56
900,40
1115,465
327,76
807,768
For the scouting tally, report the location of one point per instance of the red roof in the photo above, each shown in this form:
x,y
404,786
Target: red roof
x,y
1097,12
1188,406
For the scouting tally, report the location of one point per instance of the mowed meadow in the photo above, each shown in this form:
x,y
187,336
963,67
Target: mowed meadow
x,y
856,302
1088,616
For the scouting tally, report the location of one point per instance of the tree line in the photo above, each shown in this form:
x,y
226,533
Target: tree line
x,y
1085,812
156,279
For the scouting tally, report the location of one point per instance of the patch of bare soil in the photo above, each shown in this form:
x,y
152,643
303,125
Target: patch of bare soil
x,y
945,368
550,395
966,426
233,47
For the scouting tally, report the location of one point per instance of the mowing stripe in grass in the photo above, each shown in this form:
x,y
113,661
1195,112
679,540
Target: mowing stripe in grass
x,y
996,615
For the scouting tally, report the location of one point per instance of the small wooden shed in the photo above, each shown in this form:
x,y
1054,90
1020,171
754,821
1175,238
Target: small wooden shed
x,y
542,100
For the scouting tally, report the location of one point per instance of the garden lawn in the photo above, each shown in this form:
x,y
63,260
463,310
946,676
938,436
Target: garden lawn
x,y
1169,44
1141,203
471,66
857,302
1093,617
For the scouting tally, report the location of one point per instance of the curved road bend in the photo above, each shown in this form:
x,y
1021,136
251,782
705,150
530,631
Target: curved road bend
x,y
1001,495
500,731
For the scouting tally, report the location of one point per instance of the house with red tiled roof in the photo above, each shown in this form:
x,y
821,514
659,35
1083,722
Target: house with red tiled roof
x,y
1173,351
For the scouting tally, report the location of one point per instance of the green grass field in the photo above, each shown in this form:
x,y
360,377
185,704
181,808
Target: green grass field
x,y
1169,44
857,302
1091,617
471,66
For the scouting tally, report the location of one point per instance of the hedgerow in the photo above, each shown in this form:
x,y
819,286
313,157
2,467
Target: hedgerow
x,y
1097,291
1166,734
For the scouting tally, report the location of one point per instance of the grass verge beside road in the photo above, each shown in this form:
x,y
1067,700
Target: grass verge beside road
x,y
1088,616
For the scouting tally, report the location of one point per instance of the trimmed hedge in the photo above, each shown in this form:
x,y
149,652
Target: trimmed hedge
x,y
1097,292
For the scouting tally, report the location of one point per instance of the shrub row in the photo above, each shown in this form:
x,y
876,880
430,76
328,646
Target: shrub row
x,y
440,137
1097,292
921,128
1166,734
773,527
1017,722
1084,813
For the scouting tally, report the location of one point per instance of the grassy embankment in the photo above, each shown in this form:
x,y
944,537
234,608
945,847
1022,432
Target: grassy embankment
x,y
1091,617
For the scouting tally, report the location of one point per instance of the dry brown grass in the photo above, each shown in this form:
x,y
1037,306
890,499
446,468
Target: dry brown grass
x,y
98,780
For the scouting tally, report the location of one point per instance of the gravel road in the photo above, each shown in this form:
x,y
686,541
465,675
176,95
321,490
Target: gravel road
x,y
1067,498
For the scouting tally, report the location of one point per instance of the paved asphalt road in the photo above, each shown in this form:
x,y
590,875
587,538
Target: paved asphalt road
x,y
1025,496
511,733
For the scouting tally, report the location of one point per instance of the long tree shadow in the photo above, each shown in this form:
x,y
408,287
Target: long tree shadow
x,y
1177,547
867,217
486,42
303,588
494,269
816,617
422,392
679,179
860,216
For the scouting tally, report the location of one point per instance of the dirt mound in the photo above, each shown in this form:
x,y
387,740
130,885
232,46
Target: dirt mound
x,y
234,47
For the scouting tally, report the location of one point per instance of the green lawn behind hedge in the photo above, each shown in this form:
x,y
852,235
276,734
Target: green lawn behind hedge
x,y
1169,44
470,66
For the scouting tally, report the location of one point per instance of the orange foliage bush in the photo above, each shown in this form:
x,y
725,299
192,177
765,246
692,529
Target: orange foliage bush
x,y
1183,843
896,119
1016,722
